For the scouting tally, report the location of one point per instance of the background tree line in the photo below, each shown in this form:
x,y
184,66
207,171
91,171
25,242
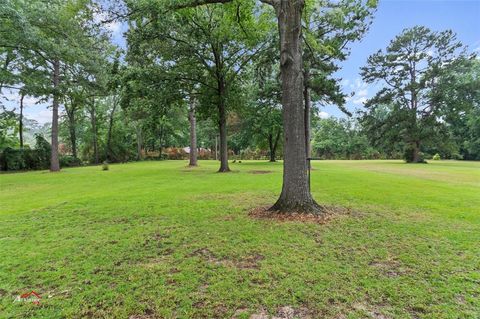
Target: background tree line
x,y
217,65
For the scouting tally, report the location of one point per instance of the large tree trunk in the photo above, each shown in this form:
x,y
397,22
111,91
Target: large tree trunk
x,y
20,120
54,162
295,195
307,101
193,133
306,97
93,119
222,123
416,158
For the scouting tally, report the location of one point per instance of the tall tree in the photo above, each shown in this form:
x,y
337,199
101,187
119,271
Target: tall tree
x,y
409,70
458,95
295,195
57,36
209,45
329,27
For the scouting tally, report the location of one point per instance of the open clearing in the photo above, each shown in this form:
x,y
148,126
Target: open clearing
x,y
158,240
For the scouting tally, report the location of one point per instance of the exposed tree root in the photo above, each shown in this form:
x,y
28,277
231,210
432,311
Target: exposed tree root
x,y
307,207
325,215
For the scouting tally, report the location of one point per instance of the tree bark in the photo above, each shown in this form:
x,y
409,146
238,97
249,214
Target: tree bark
x,y
416,158
71,127
108,151
193,133
73,135
295,195
273,144
306,97
20,120
54,162
160,140
93,120
139,142
222,123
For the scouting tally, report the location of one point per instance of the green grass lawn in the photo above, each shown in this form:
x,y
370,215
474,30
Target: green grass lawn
x,y
157,240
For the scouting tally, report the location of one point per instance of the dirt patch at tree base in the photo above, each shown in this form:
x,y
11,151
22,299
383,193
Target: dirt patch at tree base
x,y
328,213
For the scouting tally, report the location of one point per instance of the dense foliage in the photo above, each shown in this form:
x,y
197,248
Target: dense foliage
x,y
219,64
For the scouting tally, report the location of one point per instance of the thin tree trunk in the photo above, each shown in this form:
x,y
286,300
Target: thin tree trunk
x,y
139,142
108,151
20,120
160,140
193,133
54,162
270,146
295,195
222,123
273,153
73,135
93,119
71,126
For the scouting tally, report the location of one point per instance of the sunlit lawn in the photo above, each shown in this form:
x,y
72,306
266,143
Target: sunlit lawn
x,y
159,240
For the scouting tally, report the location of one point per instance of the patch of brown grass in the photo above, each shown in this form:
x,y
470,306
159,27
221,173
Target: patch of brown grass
x,y
260,172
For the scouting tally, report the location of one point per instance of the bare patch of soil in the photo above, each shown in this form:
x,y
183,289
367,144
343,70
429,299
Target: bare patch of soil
x,y
372,312
249,262
260,172
205,254
390,267
329,212
285,312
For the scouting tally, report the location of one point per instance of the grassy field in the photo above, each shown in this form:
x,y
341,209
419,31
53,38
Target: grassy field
x,y
158,240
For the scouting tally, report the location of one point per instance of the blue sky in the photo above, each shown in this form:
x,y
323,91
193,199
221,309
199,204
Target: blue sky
x,y
392,16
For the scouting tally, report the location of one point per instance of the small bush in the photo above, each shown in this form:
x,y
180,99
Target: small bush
x,y
25,158
69,161
105,166
436,157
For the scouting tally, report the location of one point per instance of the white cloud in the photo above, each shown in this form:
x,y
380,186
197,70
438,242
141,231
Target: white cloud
x,y
358,90
360,100
362,93
323,115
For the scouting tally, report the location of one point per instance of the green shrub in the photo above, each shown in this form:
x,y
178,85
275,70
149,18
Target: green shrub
x,y
13,159
105,166
25,158
436,157
69,161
